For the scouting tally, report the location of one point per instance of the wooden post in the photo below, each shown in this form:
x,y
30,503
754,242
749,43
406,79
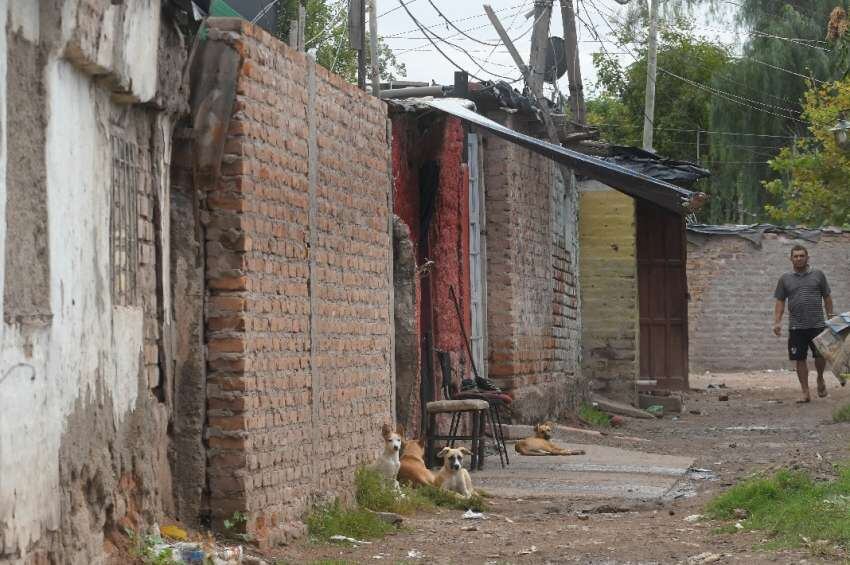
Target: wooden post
x,y
302,24
573,67
373,48
539,43
361,55
536,90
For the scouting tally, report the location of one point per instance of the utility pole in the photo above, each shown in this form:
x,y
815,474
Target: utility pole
x,y
697,146
356,37
373,47
573,68
361,55
539,43
651,71
535,88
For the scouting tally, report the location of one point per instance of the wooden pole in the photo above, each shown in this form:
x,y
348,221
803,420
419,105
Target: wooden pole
x,y
361,55
576,86
539,43
536,91
651,72
373,47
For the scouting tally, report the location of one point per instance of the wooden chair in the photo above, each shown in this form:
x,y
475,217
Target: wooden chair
x,y
477,409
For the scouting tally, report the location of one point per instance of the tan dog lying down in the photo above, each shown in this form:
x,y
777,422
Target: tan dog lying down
x,y
541,443
413,471
452,476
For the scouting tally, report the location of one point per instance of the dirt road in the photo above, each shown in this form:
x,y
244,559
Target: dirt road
x,y
759,427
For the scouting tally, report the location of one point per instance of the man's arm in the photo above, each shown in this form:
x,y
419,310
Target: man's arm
x,y
827,303
778,310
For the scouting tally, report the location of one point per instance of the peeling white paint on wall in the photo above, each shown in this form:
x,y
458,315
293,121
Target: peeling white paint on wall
x,y
90,347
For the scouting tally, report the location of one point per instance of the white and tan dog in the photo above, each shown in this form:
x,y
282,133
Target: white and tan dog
x,y
452,476
388,463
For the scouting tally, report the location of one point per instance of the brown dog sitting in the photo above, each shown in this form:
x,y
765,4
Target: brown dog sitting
x,y
452,476
541,443
413,471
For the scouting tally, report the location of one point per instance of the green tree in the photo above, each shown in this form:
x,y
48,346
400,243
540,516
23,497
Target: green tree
x,y
762,94
326,31
813,186
680,109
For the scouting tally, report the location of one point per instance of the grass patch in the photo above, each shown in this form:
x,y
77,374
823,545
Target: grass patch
x,y
447,499
354,522
841,414
374,492
594,416
792,508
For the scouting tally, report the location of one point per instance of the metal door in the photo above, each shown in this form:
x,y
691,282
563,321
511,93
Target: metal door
x,y
476,266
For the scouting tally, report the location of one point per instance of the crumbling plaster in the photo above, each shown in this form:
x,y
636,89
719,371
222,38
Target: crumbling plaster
x,y
83,370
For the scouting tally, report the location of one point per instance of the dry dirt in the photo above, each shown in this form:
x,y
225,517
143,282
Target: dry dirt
x,y
759,427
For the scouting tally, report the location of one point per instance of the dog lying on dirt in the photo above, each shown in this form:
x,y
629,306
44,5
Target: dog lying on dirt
x,y
541,443
413,471
388,463
452,476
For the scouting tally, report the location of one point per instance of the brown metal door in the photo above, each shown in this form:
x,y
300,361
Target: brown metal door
x,y
662,296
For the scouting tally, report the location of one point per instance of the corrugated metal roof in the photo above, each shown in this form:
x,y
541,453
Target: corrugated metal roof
x,y
627,181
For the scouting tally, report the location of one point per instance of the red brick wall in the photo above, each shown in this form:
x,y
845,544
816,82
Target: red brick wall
x,y
298,313
532,301
448,234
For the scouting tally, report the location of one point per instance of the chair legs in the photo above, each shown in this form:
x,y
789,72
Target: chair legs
x,y
478,420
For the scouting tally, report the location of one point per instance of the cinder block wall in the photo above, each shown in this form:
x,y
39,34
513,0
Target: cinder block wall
x,y
731,283
298,316
533,312
609,290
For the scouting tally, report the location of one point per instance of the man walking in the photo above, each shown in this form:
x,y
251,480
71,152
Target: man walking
x,y
807,293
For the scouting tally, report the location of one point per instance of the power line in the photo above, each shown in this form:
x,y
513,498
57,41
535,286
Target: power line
x,y
391,10
476,16
440,51
742,100
460,31
707,131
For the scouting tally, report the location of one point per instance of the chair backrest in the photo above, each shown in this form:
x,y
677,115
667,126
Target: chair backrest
x,y
446,368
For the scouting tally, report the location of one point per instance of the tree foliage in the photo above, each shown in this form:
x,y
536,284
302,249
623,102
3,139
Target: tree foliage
x,y
813,187
680,109
326,32
747,101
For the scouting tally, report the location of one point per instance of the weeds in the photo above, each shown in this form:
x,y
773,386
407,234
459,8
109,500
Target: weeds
x,y
375,493
841,414
447,499
355,522
795,510
594,416
144,548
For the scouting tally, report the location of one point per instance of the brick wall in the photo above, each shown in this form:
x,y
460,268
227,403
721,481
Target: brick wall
x,y
417,141
532,303
609,290
731,283
298,267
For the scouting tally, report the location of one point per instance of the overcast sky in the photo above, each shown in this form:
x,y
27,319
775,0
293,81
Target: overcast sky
x,y
424,63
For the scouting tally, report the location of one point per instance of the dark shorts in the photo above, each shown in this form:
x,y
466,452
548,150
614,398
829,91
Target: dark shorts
x,y
800,341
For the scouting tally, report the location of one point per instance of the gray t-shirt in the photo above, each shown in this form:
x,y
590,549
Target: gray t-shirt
x,y
805,293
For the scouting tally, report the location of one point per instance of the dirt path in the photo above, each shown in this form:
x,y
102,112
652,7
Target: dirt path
x,y
759,427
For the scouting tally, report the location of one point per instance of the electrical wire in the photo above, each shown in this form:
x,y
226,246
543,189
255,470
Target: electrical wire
x,y
329,27
440,51
430,33
460,31
742,100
